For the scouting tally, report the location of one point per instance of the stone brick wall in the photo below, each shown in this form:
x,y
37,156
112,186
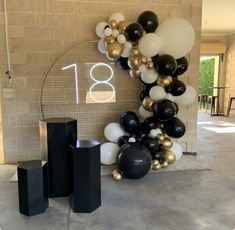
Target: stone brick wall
x,y
40,30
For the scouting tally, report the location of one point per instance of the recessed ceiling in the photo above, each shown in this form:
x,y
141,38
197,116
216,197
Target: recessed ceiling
x,y
218,17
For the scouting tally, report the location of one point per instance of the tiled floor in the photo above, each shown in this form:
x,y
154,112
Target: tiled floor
x,y
184,200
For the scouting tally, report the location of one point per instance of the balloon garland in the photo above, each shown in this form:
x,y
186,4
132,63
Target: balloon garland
x,y
154,53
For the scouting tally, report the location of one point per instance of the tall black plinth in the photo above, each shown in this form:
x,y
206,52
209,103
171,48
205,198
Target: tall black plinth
x,y
86,196
55,136
32,187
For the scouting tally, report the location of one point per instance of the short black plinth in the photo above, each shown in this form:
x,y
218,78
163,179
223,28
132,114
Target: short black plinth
x,y
86,195
32,187
55,136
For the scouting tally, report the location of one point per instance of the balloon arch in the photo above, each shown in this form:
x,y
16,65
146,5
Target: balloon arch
x,y
154,53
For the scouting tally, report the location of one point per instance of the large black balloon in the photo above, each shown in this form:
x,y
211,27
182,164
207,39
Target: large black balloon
x,y
182,66
149,123
165,65
150,144
129,122
175,128
133,32
133,160
123,63
149,21
164,110
177,88
158,154
123,140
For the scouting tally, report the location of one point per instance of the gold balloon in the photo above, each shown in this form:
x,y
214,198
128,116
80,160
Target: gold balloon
x,y
114,50
133,63
116,175
164,81
164,164
113,24
122,26
169,156
156,167
109,40
149,65
155,162
161,137
167,143
135,73
148,103
143,60
135,52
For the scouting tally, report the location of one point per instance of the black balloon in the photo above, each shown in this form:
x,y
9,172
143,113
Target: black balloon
x,y
164,110
150,144
143,94
123,140
149,21
129,122
165,65
141,134
158,154
182,66
149,123
123,63
175,128
133,160
176,107
133,32
177,88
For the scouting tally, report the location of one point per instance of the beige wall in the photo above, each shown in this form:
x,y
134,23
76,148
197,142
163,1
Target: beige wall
x,y
39,30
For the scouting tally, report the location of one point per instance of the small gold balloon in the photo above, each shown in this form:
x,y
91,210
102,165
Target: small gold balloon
x,y
148,103
155,162
164,81
164,164
169,156
116,175
167,143
114,50
135,52
149,65
113,24
109,40
143,60
135,73
156,167
133,63
161,137
122,26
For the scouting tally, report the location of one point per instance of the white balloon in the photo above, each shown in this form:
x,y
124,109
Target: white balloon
x,y
170,97
101,46
144,113
154,132
99,29
142,68
115,33
188,97
108,32
121,38
157,93
128,45
177,150
118,17
149,76
131,140
150,45
177,36
113,132
108,153
126,52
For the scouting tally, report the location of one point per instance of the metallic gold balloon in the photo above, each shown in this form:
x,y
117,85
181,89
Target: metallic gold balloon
x,y
148,103
155,162
164,81
135,73
156,167
109,40
149,65
114,50
116,175
167,143
133,63
122,26
143,60
169,156
164,164
113,24
135,52
161,137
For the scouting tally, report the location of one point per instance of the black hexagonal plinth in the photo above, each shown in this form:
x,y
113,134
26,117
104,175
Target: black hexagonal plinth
x,y
86,196
32,187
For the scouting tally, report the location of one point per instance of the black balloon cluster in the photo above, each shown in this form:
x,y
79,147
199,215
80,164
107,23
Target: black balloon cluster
x,y
139,48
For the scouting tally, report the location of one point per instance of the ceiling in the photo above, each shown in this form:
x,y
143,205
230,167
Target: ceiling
x,y
218,17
